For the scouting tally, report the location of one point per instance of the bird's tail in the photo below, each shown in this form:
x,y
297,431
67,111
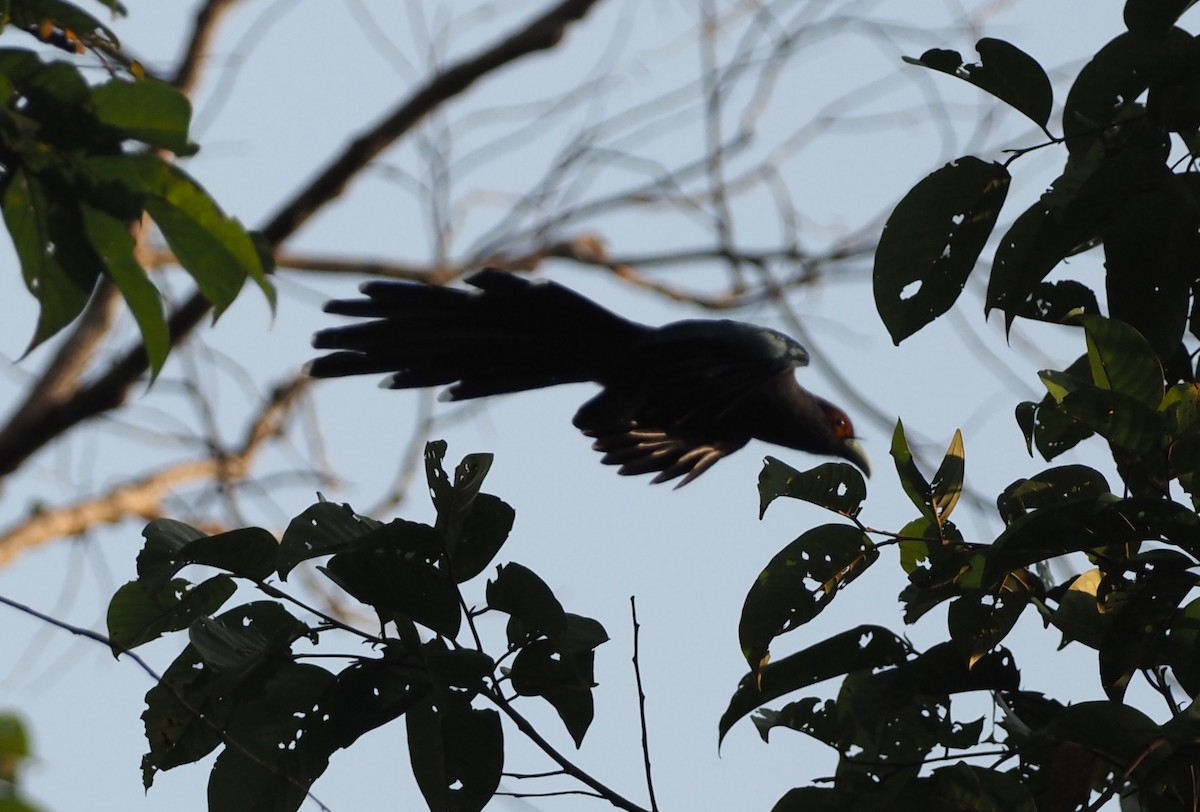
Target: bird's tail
x,y
507,335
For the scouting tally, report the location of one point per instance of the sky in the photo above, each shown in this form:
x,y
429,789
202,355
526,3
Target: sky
x,y
288,84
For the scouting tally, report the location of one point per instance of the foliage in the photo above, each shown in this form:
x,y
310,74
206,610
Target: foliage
x,y
80,164
246,680
892,722
14,751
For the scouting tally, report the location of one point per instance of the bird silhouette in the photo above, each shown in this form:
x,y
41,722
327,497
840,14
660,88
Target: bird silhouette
x,y
674,399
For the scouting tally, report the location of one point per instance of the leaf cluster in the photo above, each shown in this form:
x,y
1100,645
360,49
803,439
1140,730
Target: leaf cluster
x,y
899,742
81,164
247,679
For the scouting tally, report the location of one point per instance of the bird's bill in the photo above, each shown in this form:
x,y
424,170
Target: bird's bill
x,y
855,453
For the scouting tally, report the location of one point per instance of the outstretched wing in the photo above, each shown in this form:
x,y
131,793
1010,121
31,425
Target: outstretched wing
x,y
685,397
646,450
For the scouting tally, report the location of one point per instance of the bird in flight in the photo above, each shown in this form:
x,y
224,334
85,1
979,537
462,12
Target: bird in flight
x,y
674,399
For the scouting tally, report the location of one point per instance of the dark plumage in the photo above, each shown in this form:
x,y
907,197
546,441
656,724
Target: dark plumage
x,y
675,398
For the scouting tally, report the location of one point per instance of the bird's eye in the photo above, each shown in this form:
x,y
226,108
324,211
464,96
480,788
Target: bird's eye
x,y
843,429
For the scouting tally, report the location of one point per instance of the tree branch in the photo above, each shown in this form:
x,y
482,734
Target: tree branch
x,y
204,26
143,497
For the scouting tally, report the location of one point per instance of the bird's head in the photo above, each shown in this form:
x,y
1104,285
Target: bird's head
x,y
846,443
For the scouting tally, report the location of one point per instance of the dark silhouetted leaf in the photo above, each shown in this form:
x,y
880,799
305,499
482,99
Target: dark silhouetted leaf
x,y
563,680
1151,247
323,529
1103,91
854,650
832,485
1153,18
393,582
978,622
1005,71
140,612
519,592
283,745
799,582
932,240
484,530
457,754
1054,485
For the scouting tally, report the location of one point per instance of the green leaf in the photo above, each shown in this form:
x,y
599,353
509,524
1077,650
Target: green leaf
x,y
171,545
919,492
980,789
519,592
115,246
799,582
182,720
323,529
1143,612
149,110
1005,71
140,612
54,261
1122,360
932,240
939,672
948,481
213,248
1084,524
854,650
834,486
1079,615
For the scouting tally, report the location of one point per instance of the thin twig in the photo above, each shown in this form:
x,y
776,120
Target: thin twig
x,y
637,675
568,767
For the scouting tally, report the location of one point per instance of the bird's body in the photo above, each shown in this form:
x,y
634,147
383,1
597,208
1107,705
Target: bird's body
x,y
674,399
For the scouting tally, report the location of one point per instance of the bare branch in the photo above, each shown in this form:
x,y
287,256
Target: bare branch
x,y
144,496
204,26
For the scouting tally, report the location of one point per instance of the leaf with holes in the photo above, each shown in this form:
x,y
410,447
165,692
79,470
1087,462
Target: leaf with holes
x,y
932,241
799,582
832,485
